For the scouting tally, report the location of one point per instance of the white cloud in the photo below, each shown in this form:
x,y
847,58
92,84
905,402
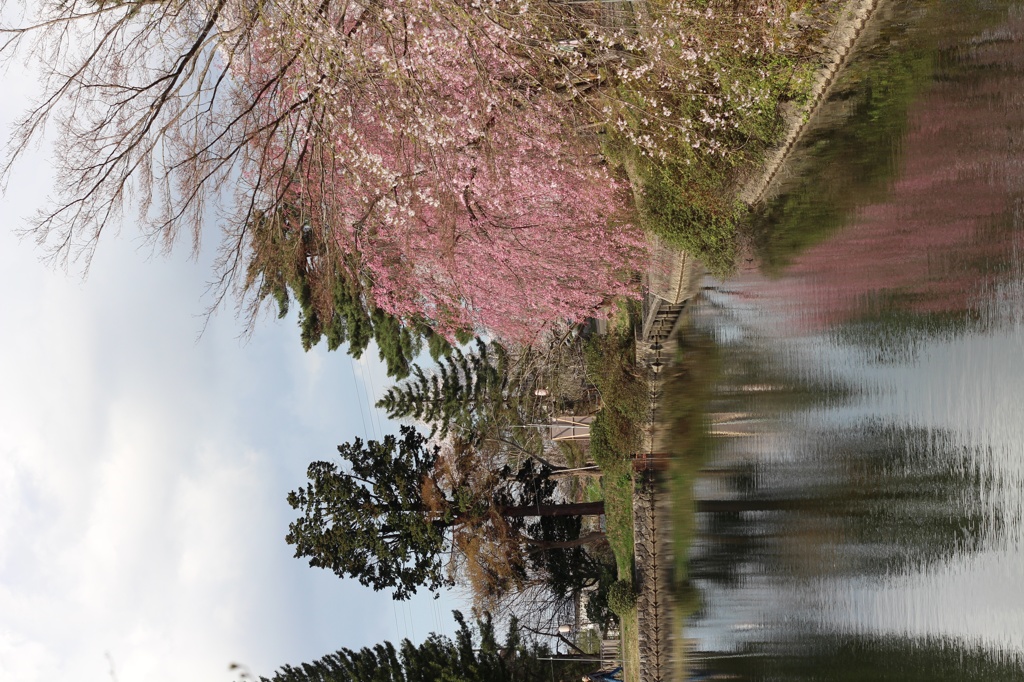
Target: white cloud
x,y
21,659
143,475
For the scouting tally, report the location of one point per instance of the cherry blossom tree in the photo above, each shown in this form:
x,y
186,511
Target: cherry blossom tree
x,y
466,187
449,147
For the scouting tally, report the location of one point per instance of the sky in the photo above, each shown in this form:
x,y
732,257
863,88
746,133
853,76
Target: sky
x,y
144,469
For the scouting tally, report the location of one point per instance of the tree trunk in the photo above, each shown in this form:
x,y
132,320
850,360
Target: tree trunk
x,y
573,509
565,472
593,471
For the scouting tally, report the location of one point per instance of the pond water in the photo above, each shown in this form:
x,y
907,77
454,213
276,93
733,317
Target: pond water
x,y
867,421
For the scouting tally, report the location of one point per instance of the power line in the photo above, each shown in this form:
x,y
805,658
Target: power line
x,y
359,399
373,403
394,610
412,621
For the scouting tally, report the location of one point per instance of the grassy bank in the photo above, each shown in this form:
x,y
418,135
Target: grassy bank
x,y
721,73
614,437
616,431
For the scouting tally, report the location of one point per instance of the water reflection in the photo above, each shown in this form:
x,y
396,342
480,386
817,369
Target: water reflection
x,y
860,514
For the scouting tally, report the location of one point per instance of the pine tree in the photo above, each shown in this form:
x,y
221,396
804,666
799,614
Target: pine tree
x,y
390,520
370,521
470,657
288,261
465,391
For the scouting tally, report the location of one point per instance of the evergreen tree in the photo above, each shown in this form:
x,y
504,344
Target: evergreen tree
x,y
388,520
288,261
466,391
568,567
370,522
470,657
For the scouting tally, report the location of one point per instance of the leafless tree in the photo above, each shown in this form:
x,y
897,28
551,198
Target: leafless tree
x,y
152,113
177,113
535,606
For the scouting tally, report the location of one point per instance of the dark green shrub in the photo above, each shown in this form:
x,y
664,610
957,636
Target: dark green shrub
x,y
621,597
